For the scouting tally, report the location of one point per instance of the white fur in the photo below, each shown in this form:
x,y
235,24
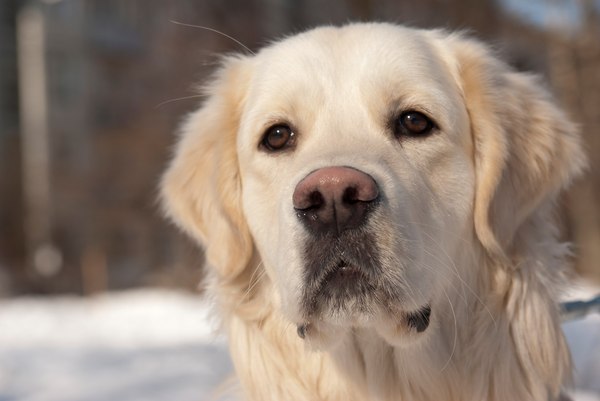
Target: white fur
x,y
466,224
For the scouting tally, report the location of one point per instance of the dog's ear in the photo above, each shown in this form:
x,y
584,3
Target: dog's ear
x,y
526,149
201,190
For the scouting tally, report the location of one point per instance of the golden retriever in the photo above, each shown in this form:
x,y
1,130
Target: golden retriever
x,y
376,206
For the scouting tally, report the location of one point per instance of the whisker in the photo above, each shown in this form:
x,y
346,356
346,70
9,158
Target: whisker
x,y
177,99
254,282
456,272
285,327
454,269
444,229
447,278
215,31
455,332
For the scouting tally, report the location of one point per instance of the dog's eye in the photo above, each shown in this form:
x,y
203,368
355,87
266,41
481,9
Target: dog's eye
x,y
413,123
277,137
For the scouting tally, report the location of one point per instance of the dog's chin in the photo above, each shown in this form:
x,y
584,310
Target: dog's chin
x,y
343,296
347,301
406,329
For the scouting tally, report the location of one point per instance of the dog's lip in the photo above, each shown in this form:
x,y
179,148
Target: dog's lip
x,y
345,270
340,273
346,267
420,319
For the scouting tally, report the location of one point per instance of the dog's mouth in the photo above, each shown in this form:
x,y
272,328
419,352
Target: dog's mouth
x,y
417,321
342,274
342,286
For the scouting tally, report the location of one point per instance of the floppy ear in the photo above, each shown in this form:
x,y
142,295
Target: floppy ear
x,y
201,190
526,149
526,152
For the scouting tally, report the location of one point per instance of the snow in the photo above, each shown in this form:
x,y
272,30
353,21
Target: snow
x,y
583,337
155,345
137,345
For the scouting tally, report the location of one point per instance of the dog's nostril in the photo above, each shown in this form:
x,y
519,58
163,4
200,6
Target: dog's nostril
x,y
309,200
315,200
350,195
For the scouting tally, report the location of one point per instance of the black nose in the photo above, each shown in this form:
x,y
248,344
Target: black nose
x,y
334,199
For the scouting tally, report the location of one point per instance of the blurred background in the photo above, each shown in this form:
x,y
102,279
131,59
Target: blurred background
x,y
91,92
91,96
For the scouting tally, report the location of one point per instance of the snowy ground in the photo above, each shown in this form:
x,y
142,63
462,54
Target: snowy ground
x,y
153,345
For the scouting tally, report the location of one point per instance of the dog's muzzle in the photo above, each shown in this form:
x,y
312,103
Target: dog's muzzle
x,y
341,260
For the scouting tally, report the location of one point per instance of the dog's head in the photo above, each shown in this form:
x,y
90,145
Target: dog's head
x,y
356,169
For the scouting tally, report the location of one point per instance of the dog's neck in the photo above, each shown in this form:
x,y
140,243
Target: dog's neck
x,y
399,373
363,366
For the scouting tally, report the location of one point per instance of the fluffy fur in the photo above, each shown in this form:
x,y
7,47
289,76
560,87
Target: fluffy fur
x,y
465,222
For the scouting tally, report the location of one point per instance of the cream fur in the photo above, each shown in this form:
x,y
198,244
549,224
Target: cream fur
x,y
468,223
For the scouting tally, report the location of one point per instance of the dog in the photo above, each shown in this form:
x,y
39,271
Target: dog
x,y
376,205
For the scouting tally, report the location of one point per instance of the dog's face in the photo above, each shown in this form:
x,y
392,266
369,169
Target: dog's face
x,y
357,172
352,170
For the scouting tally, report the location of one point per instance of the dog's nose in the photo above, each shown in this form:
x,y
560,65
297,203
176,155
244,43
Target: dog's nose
x,y
334,199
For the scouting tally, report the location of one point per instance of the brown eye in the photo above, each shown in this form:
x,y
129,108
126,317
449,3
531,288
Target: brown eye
x,y
413,123
277,137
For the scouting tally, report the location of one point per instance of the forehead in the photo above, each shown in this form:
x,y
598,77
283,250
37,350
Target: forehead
x,y
382,65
